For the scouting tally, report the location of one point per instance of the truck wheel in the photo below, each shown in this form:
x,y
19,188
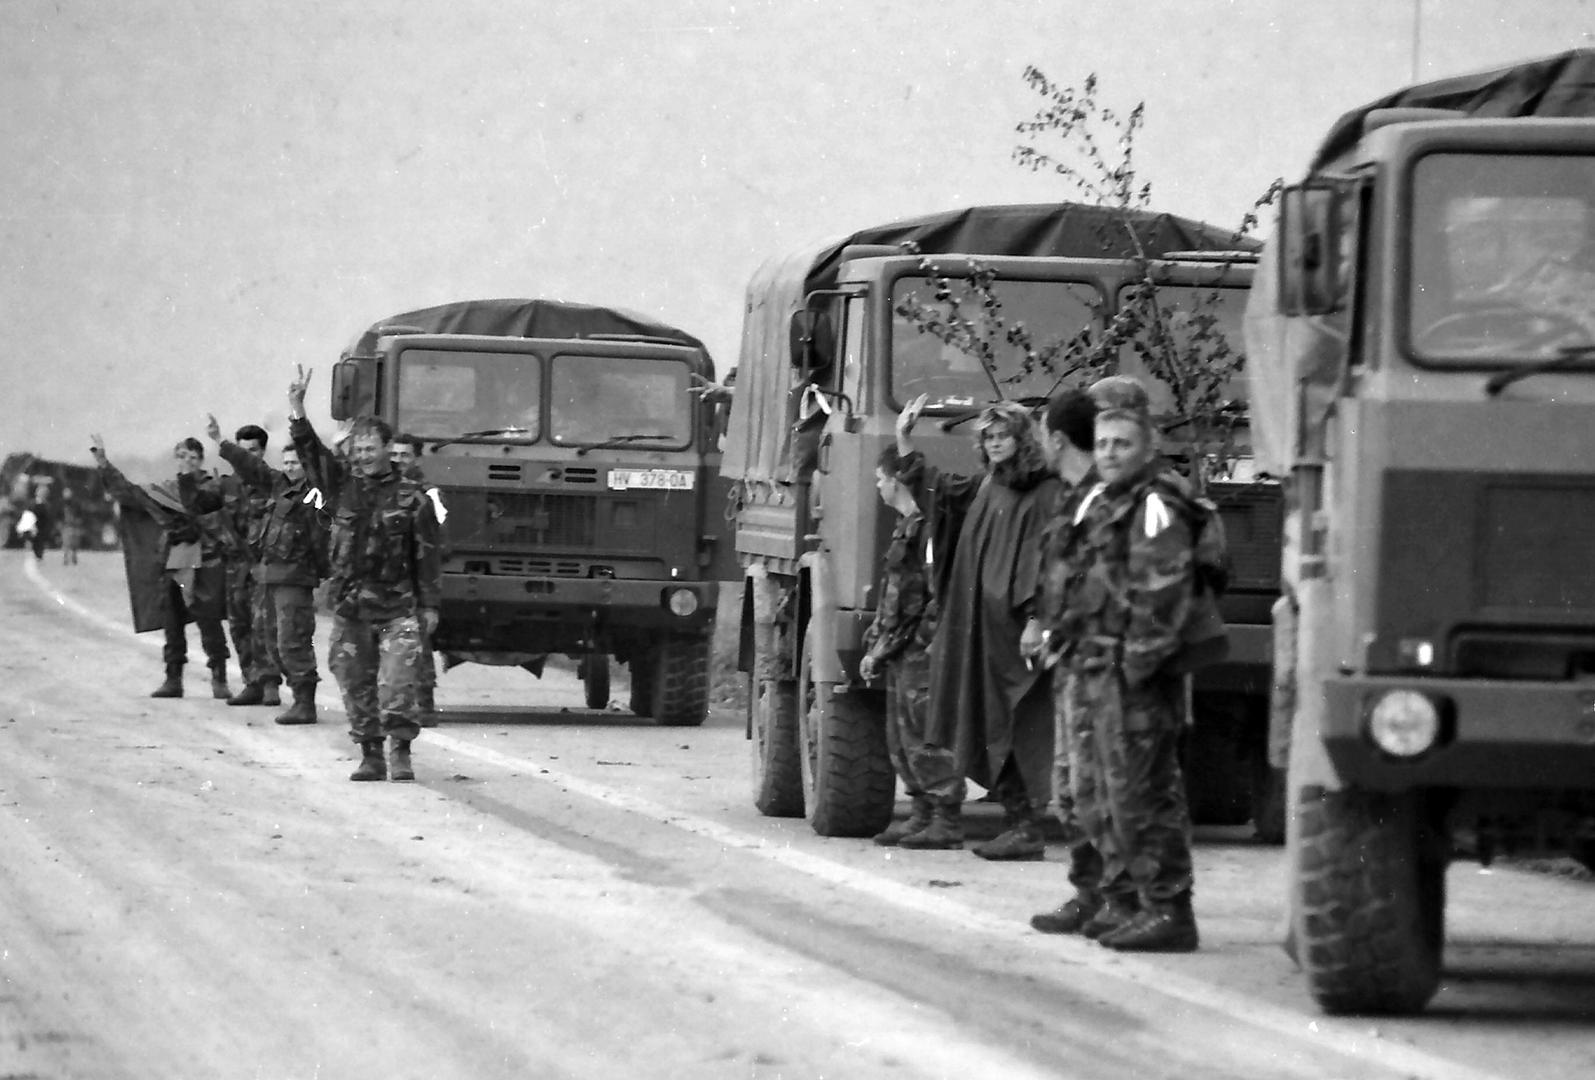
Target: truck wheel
x,y
681,681
595,680
1370,918
642,682
848,783
773,723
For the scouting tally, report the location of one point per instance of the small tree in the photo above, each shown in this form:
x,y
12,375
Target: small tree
x,y
1185,349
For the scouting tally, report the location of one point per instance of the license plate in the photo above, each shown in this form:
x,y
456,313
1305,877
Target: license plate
x,y
651,479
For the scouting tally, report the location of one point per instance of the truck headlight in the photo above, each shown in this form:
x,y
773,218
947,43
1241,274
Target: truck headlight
x,y
1404,723
682,602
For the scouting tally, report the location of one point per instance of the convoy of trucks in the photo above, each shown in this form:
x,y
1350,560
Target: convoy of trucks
x,y
580,477
826,363
1422,351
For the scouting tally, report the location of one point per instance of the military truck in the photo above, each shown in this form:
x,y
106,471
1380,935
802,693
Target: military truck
x,y
827,362
1422,350
580,477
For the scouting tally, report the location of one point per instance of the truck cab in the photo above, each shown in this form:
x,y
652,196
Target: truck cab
x,y
1424,368
580,479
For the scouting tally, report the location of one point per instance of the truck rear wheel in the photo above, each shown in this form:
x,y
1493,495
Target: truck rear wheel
x,y
1370,901
848,782
595,680
680,682
773,723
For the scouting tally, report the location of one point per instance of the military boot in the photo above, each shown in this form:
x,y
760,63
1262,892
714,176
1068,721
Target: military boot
x,y
250,695
373,766
218,684
917,819
173,686
269,694
1069,917
1168,926
1024,841
944,833
1115,912
426,710
303,710
399,761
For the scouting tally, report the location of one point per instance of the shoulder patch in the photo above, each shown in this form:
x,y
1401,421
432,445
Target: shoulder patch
x,y
1157,514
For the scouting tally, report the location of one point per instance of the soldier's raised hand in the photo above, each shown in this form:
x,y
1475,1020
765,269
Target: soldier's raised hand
x,y
297,388
707,389
910,414
97,446
213,430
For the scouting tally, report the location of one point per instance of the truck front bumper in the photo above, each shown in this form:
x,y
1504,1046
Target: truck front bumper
x,y
495,599
1494,734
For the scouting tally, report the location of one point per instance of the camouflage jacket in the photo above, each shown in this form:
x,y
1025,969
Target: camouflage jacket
x,y
904,613
289,537
191,511
1127,574
384,549
245,506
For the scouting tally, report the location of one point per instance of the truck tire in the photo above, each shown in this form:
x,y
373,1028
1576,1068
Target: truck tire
x,y
642,682
773,725
681,681
595,680
1370,893
848,783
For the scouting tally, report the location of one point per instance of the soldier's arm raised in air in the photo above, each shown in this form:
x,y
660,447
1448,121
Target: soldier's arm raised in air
x,y
250,469
120,488
1160,584
321,464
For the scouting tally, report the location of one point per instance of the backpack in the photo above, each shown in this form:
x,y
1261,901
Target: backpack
x,y
1204,640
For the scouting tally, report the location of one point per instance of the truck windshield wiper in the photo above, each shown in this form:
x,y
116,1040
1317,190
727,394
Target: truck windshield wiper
x,y
1566,356
621,440
485,433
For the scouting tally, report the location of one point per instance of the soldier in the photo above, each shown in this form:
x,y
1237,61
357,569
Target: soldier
x,y
1129,575
71,527
246,506
290,540
900,639
193,578
384,587
407,457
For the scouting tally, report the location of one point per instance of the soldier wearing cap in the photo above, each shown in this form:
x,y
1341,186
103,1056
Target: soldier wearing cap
x,y
1128,574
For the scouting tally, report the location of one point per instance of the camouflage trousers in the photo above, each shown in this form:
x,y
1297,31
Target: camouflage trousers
x,y
1124,774
175,615
375,665
286,618
248,643
426,673
926,770
1085,859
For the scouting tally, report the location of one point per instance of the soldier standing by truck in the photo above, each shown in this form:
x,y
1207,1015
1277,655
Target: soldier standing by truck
x,y
385,585
407,458
245,595
193,581
290,540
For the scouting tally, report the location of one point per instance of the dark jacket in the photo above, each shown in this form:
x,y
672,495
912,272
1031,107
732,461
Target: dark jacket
x,y
288,536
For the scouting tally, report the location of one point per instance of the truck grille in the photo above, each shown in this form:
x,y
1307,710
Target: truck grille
x,y
1253,516
541,520
1537,547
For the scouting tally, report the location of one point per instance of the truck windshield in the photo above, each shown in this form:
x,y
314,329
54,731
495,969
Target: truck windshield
x,y
628,401
445,394
1503,258
952,378
1204,320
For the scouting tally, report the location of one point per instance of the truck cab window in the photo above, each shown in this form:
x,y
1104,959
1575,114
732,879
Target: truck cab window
x,y
444,394
596,399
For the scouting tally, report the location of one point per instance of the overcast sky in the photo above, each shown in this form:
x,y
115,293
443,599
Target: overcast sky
x,y
198,195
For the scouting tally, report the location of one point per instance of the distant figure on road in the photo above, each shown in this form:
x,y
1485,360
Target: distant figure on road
x,y
193,578
71,527
385,584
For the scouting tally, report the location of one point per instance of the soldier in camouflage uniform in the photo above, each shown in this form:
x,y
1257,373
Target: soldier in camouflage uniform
x,y
194,581
246,506
1129,574
384,588
291,542
900,638
407,457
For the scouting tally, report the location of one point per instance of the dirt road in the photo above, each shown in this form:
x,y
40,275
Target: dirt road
x,y
190,891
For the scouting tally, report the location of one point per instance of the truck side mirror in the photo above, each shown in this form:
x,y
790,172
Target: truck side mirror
x,y
812,341
352,393
1312,276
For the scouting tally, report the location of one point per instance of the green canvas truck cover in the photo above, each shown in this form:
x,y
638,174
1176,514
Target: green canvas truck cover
x,y
1282,353
525,318
755,447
